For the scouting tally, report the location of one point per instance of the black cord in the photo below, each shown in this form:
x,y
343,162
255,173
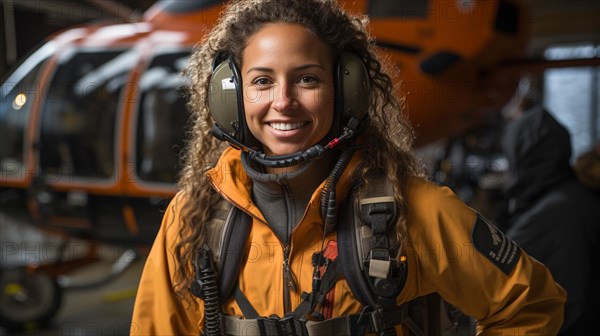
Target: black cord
x,y
328,205
207,276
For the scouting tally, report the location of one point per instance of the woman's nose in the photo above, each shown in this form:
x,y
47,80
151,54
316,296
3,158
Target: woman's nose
x,y
285,98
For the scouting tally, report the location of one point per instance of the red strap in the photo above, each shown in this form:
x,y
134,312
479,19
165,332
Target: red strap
x,y
331,250
331,253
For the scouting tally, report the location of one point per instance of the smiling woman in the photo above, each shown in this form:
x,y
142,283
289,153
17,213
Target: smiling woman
x,y
292,80
296,84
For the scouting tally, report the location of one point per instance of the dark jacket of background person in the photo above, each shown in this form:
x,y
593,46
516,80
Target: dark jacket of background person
x,y
587,168
552,216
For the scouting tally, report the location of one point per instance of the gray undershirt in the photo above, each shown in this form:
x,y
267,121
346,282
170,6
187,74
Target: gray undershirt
x,y
282,198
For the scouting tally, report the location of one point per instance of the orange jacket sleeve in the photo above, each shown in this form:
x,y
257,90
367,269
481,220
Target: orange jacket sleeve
x,y
157,309
454,251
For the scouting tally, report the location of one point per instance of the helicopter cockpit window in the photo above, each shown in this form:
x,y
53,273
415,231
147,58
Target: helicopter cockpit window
x,y
17,95
162,117
77,136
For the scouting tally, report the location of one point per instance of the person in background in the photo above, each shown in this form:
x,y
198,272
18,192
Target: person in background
x,y
298,142
551,215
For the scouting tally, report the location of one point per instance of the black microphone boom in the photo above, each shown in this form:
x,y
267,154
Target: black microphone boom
x,y
278,161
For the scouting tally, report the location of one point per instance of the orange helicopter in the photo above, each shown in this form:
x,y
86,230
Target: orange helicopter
x,y
93,120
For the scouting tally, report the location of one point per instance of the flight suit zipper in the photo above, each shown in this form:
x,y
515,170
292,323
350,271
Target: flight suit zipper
x,y
289,280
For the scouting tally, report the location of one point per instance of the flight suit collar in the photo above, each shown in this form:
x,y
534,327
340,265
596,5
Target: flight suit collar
x,y
230,179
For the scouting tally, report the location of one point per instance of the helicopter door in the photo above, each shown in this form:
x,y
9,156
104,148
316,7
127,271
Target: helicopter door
x,y
79,116
77,183
161,119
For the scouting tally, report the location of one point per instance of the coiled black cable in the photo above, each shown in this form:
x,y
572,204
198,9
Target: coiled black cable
x,y
328,202
206,275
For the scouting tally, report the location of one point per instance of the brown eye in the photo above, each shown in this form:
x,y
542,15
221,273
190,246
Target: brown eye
x,y
262,81
308,80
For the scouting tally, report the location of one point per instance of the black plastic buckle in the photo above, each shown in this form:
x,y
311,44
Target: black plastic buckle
x,y
289,325
203,265
385,209
375,321
382,322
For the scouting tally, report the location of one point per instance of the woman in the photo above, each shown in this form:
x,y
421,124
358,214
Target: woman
x,y
299,132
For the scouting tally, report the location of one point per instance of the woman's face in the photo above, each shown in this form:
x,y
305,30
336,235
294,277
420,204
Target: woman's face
x,y
287,75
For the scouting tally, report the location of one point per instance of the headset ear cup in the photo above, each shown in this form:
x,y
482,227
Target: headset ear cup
x,y
352,91
223,99
356,87
226,102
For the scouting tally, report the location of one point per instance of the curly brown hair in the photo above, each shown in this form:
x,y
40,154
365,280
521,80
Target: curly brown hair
x,y
388,138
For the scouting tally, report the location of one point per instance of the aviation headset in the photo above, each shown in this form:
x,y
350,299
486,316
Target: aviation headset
x,y
226,104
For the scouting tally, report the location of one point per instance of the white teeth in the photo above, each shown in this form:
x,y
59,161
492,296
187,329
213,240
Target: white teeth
x,y
287,126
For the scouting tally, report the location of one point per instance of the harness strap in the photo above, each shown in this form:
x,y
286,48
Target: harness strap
x,y
355,324
244,304
311,300
304,308
232,251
